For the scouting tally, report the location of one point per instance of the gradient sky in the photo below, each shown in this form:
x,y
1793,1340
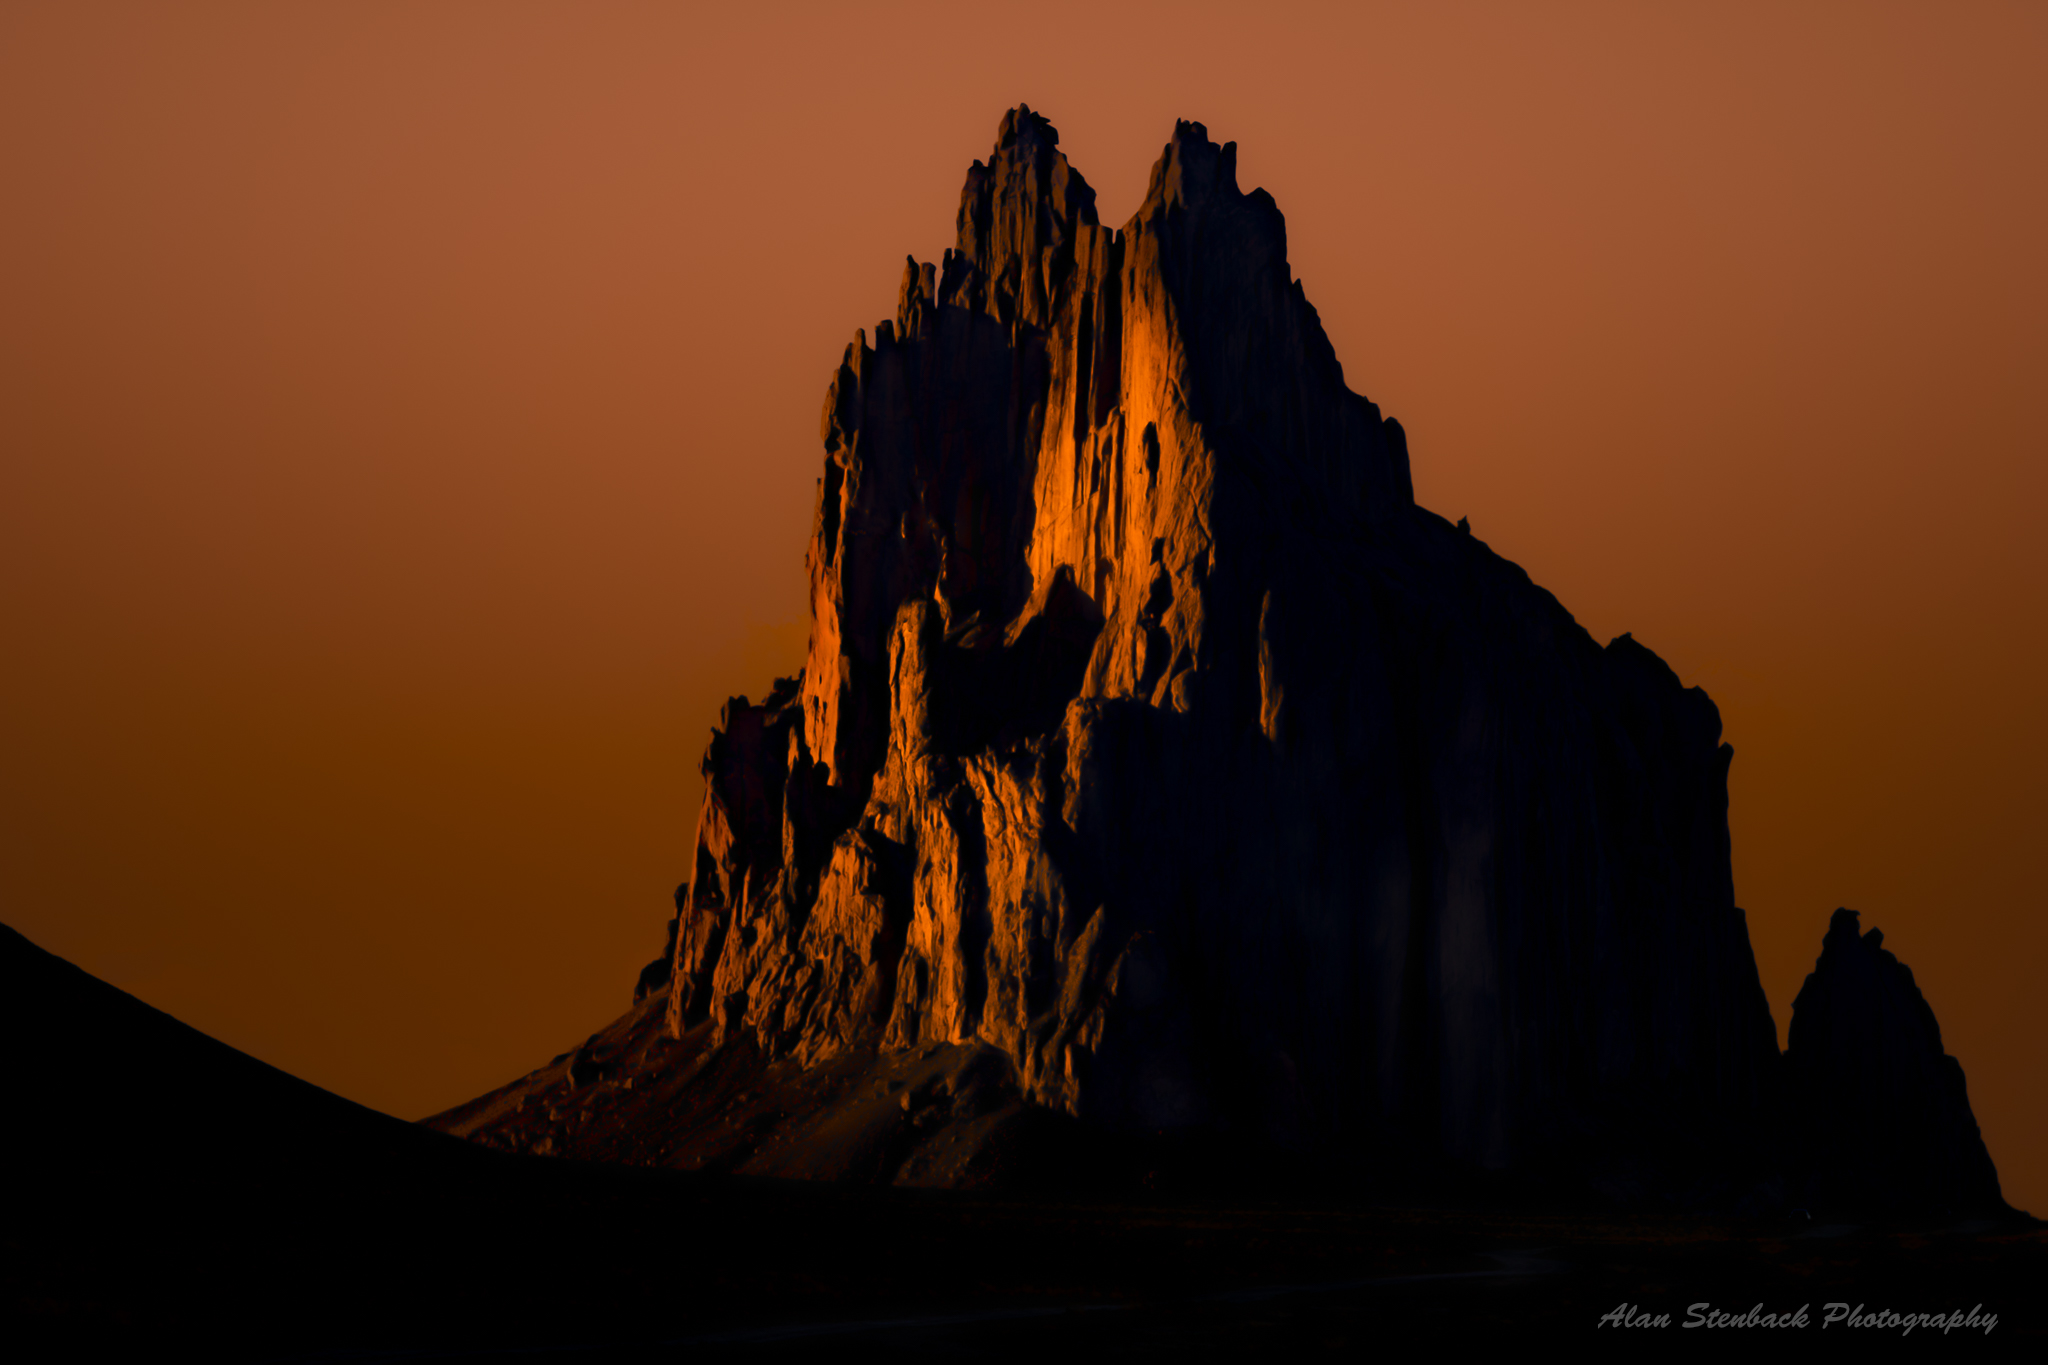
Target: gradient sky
x,y
408,428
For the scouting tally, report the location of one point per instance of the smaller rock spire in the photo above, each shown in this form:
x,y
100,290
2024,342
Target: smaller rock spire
x,y
1882,1114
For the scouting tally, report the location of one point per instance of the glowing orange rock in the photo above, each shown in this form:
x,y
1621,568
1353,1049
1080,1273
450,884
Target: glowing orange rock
x,y
1152,736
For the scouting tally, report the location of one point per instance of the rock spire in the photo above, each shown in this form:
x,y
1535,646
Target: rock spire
x,y
1153,737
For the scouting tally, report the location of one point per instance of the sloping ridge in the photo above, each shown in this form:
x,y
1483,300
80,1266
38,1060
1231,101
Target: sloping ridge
x,y
120,1098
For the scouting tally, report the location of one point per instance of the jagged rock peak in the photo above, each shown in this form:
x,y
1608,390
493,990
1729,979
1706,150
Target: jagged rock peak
x,y
1882,1113
1026,170
1019,213
1191,171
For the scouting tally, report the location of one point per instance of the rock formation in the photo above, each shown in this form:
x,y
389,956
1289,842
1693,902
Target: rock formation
x,y
1151,735
1160,767
1880,1117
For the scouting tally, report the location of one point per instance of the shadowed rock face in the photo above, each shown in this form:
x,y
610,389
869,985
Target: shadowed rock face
x,y
1881,1117
1151,736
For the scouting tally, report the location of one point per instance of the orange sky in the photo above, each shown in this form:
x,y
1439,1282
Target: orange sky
x,y
408,423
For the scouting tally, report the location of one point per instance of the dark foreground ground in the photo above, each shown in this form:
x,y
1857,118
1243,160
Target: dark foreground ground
x,y
164,1191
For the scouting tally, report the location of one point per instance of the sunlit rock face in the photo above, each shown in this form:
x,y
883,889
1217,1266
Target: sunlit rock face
x,y
1151,734
1880,1114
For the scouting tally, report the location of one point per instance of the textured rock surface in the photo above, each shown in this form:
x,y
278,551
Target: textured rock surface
x,y
1152,737
1880,1113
